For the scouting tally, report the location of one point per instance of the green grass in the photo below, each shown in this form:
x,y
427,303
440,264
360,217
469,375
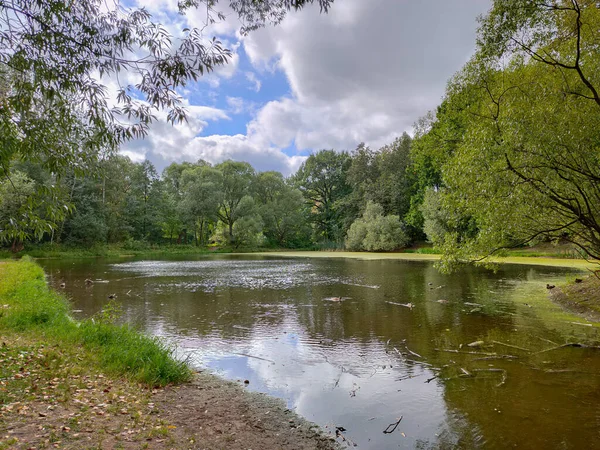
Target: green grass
x,y
30,308
133,248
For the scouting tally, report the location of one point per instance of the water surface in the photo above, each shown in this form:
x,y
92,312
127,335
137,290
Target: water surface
x,y
387,350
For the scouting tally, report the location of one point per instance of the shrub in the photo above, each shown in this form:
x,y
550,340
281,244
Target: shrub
x,y
376,232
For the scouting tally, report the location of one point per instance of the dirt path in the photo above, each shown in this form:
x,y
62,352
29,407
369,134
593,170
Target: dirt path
x,y
49,398
219,414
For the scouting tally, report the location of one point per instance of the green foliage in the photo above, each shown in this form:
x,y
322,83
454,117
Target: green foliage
x,y
33,308
322,181
516,141
282,209
201,199
15,208
376,232
236,180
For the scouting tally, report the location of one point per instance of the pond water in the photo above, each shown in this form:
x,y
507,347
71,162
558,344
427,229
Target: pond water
x,y
360,344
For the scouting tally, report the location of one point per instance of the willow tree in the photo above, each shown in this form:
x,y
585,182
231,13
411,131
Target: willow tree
x,y
527,166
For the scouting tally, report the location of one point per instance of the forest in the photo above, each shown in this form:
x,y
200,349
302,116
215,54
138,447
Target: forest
x,y
509,158
359,200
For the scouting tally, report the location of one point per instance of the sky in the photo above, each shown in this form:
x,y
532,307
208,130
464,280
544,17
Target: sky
x,y
364,72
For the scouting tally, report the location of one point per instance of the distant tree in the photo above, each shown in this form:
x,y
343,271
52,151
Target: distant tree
x,y
237,179
86,226
143,208
322,179
281,207
394,185
202,197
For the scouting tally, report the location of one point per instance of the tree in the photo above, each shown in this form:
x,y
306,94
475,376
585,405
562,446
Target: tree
x,y
376,232
236,181
143,208
86,226
281,207
15,221
322,179
528,165
394,185
56,61
201,199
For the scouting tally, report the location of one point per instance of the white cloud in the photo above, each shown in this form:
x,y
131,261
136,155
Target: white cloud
x,y
255,82
365,72
218,148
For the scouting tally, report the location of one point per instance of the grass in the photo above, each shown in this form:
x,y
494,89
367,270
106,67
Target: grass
x,y
539,261
32,310
133,248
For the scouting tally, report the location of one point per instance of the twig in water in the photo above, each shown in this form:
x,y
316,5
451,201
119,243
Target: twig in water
x,y
255,357
429,380
422,363
466,372
411,352
547,340
337,382
488,358
392,426
573,344
502,371
511,346
582,324
406,305
466,353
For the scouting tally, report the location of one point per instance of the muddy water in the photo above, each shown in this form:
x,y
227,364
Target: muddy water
x,y
396,345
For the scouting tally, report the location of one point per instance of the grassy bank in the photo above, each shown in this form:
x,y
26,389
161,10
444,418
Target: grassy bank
x,y
33,312
109,251
531,260
147,250
581,296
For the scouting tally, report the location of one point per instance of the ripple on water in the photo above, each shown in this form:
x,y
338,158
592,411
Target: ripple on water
x,y
208,276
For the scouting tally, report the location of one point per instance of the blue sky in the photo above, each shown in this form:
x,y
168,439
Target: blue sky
x,y
365,72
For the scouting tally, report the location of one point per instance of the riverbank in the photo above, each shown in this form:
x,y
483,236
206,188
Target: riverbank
x,y
529,260
581,297
544,254
111,251
92,384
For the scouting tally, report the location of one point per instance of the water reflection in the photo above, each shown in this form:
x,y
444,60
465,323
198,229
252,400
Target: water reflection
x,y
363,362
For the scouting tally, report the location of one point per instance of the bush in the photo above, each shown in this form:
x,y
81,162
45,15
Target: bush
x,y
376,232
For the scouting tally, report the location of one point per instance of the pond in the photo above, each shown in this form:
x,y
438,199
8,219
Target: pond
x,y
468,360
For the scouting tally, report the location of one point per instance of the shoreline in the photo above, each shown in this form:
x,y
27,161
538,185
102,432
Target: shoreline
x,y
371,256
58,392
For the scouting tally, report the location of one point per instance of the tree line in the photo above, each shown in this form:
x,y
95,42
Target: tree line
x,y
361,200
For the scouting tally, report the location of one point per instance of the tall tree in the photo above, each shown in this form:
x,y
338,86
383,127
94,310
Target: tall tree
x,y
236,181
322,179
281,207
201,199
143,209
